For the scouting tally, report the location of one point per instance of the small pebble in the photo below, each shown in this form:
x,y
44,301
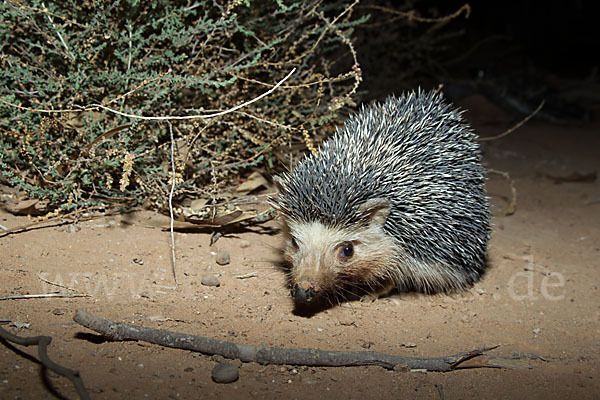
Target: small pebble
x,y
72,228
218,358
210,280
223,257
225,373
21,325
244,244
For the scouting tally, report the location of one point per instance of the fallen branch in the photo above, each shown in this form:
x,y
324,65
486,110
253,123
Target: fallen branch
x,y
268,355
42,342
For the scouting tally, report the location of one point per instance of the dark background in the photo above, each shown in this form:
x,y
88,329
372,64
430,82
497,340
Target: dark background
x,y
562,36
529,49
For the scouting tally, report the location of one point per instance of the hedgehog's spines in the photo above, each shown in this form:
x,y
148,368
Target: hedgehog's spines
x,y
416,152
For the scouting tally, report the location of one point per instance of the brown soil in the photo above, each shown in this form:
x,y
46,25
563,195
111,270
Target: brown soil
x,y
540,300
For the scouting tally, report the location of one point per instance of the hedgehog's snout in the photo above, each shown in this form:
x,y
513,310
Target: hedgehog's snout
x,y
304,293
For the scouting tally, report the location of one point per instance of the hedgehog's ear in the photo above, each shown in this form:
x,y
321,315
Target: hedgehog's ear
x,y
376,211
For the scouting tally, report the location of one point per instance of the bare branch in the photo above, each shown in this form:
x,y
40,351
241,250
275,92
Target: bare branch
x,y
58,220
512,206
42,342
517,126
270,355
174,117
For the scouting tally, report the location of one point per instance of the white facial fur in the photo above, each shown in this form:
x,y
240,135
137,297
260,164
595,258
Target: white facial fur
x,y
317,262
314,251
377,262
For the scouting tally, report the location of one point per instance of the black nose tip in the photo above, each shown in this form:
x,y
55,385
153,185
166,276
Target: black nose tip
x,y
303,295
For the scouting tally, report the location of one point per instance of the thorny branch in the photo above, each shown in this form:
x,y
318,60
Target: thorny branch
x,y
269,355
412,15
42,342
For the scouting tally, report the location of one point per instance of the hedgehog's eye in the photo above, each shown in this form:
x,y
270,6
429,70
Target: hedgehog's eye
x,y
346,250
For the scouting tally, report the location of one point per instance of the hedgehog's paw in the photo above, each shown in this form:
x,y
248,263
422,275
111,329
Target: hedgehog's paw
x,y
383,291
369,298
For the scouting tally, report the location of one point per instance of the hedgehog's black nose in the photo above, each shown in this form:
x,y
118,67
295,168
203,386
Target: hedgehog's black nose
x,y
303,295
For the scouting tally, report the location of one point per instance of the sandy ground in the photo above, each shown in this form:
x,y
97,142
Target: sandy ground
x,y
539,301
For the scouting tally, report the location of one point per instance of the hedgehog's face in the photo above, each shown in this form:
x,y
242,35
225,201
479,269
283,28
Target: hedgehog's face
x,y
329,260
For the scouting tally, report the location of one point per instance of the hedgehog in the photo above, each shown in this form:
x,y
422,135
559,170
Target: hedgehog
x,y
394,200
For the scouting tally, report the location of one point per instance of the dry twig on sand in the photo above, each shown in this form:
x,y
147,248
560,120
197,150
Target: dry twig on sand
x,y
512,205
268,355
57,220
42,342
43,296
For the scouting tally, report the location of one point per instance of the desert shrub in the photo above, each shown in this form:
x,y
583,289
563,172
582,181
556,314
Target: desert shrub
x,y
163,58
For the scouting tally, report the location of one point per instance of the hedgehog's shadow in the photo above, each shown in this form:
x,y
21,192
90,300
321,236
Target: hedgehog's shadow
x,y
360,294
310,310
306,310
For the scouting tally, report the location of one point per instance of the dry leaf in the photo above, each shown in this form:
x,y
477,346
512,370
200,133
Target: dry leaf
x,y
254,181
198,204
29,207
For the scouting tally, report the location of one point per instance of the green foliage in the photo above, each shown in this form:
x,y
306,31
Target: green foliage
x,y
162,58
